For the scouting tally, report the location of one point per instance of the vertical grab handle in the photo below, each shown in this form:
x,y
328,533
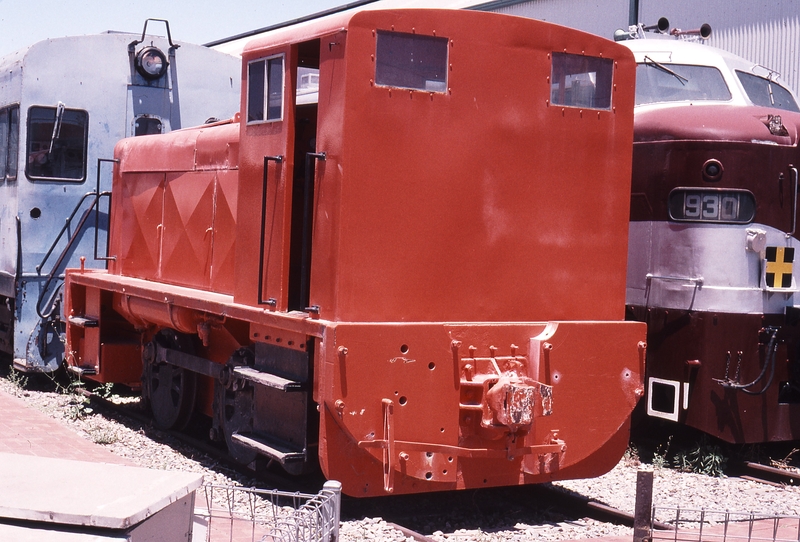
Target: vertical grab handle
x,y
271,301
794,201
97,195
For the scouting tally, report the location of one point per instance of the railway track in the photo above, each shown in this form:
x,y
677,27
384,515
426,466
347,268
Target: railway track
x,y
469,515
766,474
414,514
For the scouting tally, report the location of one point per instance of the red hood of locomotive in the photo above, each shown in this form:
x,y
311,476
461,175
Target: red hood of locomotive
x,y
747,124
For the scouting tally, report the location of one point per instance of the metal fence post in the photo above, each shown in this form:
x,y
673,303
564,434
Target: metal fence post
x,y
644,506
335,488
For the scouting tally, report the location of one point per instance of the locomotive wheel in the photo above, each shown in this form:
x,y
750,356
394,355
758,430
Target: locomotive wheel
x,y
236,416
233,407
171,390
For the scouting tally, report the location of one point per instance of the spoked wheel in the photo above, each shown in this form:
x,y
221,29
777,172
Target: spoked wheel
x,y
171,390
233,407
236,416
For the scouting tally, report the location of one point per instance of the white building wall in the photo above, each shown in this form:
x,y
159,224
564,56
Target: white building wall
x,y
767,33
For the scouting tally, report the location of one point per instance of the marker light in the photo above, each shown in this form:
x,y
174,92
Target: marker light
x,y
151,63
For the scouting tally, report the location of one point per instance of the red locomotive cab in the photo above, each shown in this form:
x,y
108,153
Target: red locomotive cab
x,y
392,261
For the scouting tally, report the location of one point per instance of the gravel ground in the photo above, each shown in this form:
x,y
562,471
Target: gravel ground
x,y
150,448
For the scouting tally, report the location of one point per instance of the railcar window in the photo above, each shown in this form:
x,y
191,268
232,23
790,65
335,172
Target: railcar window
x,y
57,143
581,81
762,91
657,82
144,125
265,90
9,142
411,61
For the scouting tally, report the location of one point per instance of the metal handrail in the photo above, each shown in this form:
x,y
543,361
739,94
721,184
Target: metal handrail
x,y
794,202
95,196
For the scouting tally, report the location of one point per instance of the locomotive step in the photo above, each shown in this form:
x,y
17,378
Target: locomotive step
x,y
82,321
82,370
267,379
275,451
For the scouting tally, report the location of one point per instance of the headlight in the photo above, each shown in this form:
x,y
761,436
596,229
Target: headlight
x,y
151,63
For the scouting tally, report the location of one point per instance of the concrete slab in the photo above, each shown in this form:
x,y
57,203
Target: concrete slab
x,y
86,493
19,533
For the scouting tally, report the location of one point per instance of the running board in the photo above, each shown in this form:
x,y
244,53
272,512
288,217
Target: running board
x,y
267,379
82,321
283,455
81,371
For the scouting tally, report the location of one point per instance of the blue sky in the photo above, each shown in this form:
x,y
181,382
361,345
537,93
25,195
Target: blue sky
x,y
24,22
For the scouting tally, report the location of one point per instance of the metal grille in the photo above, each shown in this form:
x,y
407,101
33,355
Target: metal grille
x,y
236,514
713,526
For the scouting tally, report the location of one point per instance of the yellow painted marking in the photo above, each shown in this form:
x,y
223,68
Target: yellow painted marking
x,y
779,267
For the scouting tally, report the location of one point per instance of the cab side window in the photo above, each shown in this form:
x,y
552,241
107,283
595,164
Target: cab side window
x,y
57,140
265,90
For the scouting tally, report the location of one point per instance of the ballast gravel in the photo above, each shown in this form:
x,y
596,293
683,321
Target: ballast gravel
x,y
671,488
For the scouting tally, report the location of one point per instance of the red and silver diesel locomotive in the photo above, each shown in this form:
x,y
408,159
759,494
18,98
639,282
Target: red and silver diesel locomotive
x,y
405,259
712,240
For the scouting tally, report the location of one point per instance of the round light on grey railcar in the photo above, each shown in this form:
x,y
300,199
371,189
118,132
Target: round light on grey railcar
x,y
151,63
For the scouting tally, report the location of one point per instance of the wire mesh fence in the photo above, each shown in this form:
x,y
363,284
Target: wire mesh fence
x,y
716,526
237,514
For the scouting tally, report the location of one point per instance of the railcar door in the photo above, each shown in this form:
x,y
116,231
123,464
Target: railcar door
x,y
304,173
9,226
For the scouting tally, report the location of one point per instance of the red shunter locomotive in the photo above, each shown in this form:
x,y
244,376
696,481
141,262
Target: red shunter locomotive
x,y
405,259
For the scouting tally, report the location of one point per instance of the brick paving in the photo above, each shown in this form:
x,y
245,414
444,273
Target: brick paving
x,y
25,430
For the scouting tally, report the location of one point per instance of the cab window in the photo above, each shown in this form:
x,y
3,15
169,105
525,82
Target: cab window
x,y
762,91
56,147
659,83
411,61
581,81
265,90
9,142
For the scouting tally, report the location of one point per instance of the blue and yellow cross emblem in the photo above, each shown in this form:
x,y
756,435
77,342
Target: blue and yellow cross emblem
x,y
778,272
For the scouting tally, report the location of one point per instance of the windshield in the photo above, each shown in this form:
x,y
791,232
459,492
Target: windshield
x,y
656,82
762,91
